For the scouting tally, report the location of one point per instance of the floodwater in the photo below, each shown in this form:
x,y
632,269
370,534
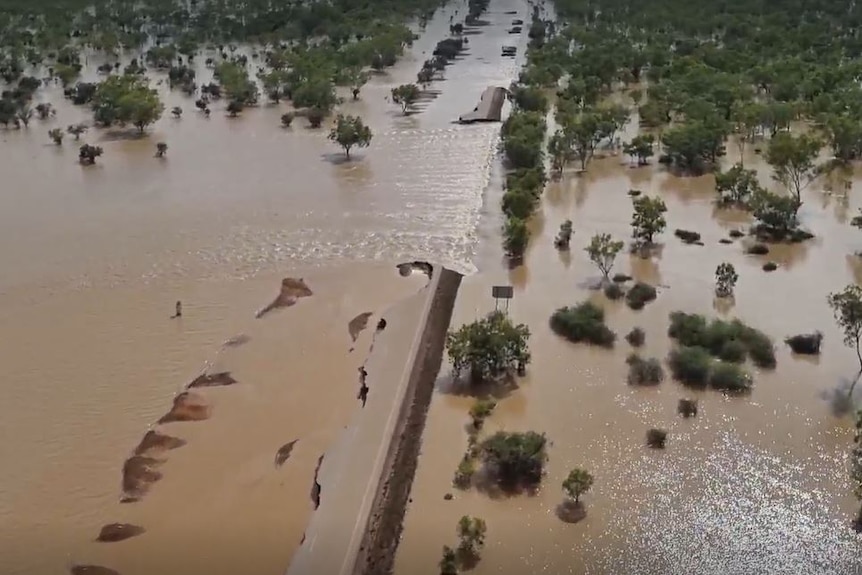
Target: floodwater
x,y
752,485
95,258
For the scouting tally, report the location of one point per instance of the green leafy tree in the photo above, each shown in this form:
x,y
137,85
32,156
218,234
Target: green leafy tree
x,y
774,213
584,133
126,100
488,347
578,482
648,218
350,132
515,459
471,535
449,562
746,118
480,410
725,279
793,161
56,134
695,146
844,135
640,149
315,93
516,236
560,151
847,308
405,95
603,251
235,83
736,186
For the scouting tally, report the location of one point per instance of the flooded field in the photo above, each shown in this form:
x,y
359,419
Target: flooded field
x,y
95,259
754,484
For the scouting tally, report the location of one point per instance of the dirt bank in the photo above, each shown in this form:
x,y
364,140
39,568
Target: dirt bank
x,y
380,541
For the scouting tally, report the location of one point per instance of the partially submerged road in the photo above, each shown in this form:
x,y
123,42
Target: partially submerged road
x,y
358,502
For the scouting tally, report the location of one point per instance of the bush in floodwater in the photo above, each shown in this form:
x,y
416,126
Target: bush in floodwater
x,y
729,377
621,278
614,292
515,459
583,323
687,236
693,330
636,337
690,365
464,473
687,407
805,343
480,410
758,250
644,371
770,266
639,295
733,351
656,438
449,562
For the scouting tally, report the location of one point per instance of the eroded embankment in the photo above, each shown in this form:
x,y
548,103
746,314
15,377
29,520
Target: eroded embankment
x,y
380,540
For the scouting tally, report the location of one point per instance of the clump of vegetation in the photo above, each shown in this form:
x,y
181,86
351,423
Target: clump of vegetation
x,y
449,562
489,348
770,266
640,149
564,236
578,482
621,278
694,330
805,343
515,460
687,236
687,407
856,468
480,410
583,323
406,96
87,154
471,538
644,371
287,119
350,132
161,149
656,438
725,280
464,473
614,292
636,337
757,249
56,134
639,295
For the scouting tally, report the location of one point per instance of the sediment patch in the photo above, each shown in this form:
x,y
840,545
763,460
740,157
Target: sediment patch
x,y
291,290
380,541
139,473
113,532
358,324
92,570
284,452
154,442
187,407
213,380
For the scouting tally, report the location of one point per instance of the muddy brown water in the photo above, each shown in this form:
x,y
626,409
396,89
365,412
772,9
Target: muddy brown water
x,y
95,259
754,484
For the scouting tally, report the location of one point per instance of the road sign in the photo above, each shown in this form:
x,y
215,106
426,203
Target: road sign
x,y
502,292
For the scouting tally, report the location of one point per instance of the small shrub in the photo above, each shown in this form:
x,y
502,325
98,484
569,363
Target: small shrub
x,y
464,473
614,292
583,323
687,407
692,330
644,371
757,250
636,337
639,295
515,459
656,438
729,377
725,241
687,236
760,349
806,343
621,278
735,234
480,410
287,119
690,365
770,266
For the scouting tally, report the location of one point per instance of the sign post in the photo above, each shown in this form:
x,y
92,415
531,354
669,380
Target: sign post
x,y
502,293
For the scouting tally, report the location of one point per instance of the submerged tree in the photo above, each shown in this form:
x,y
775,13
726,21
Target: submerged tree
x,y
847,308
161,149
578,482
76,130
648,218
488,347
793,162
725,280
449,562
56,134
405,95
350,132
736,186
87,154
640,148
603,251
471,535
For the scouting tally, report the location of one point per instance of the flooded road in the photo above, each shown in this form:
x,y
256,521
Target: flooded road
x,y
95,259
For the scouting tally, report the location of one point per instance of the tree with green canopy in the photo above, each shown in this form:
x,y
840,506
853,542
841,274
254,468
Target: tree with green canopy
x,y
489,347
350,132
